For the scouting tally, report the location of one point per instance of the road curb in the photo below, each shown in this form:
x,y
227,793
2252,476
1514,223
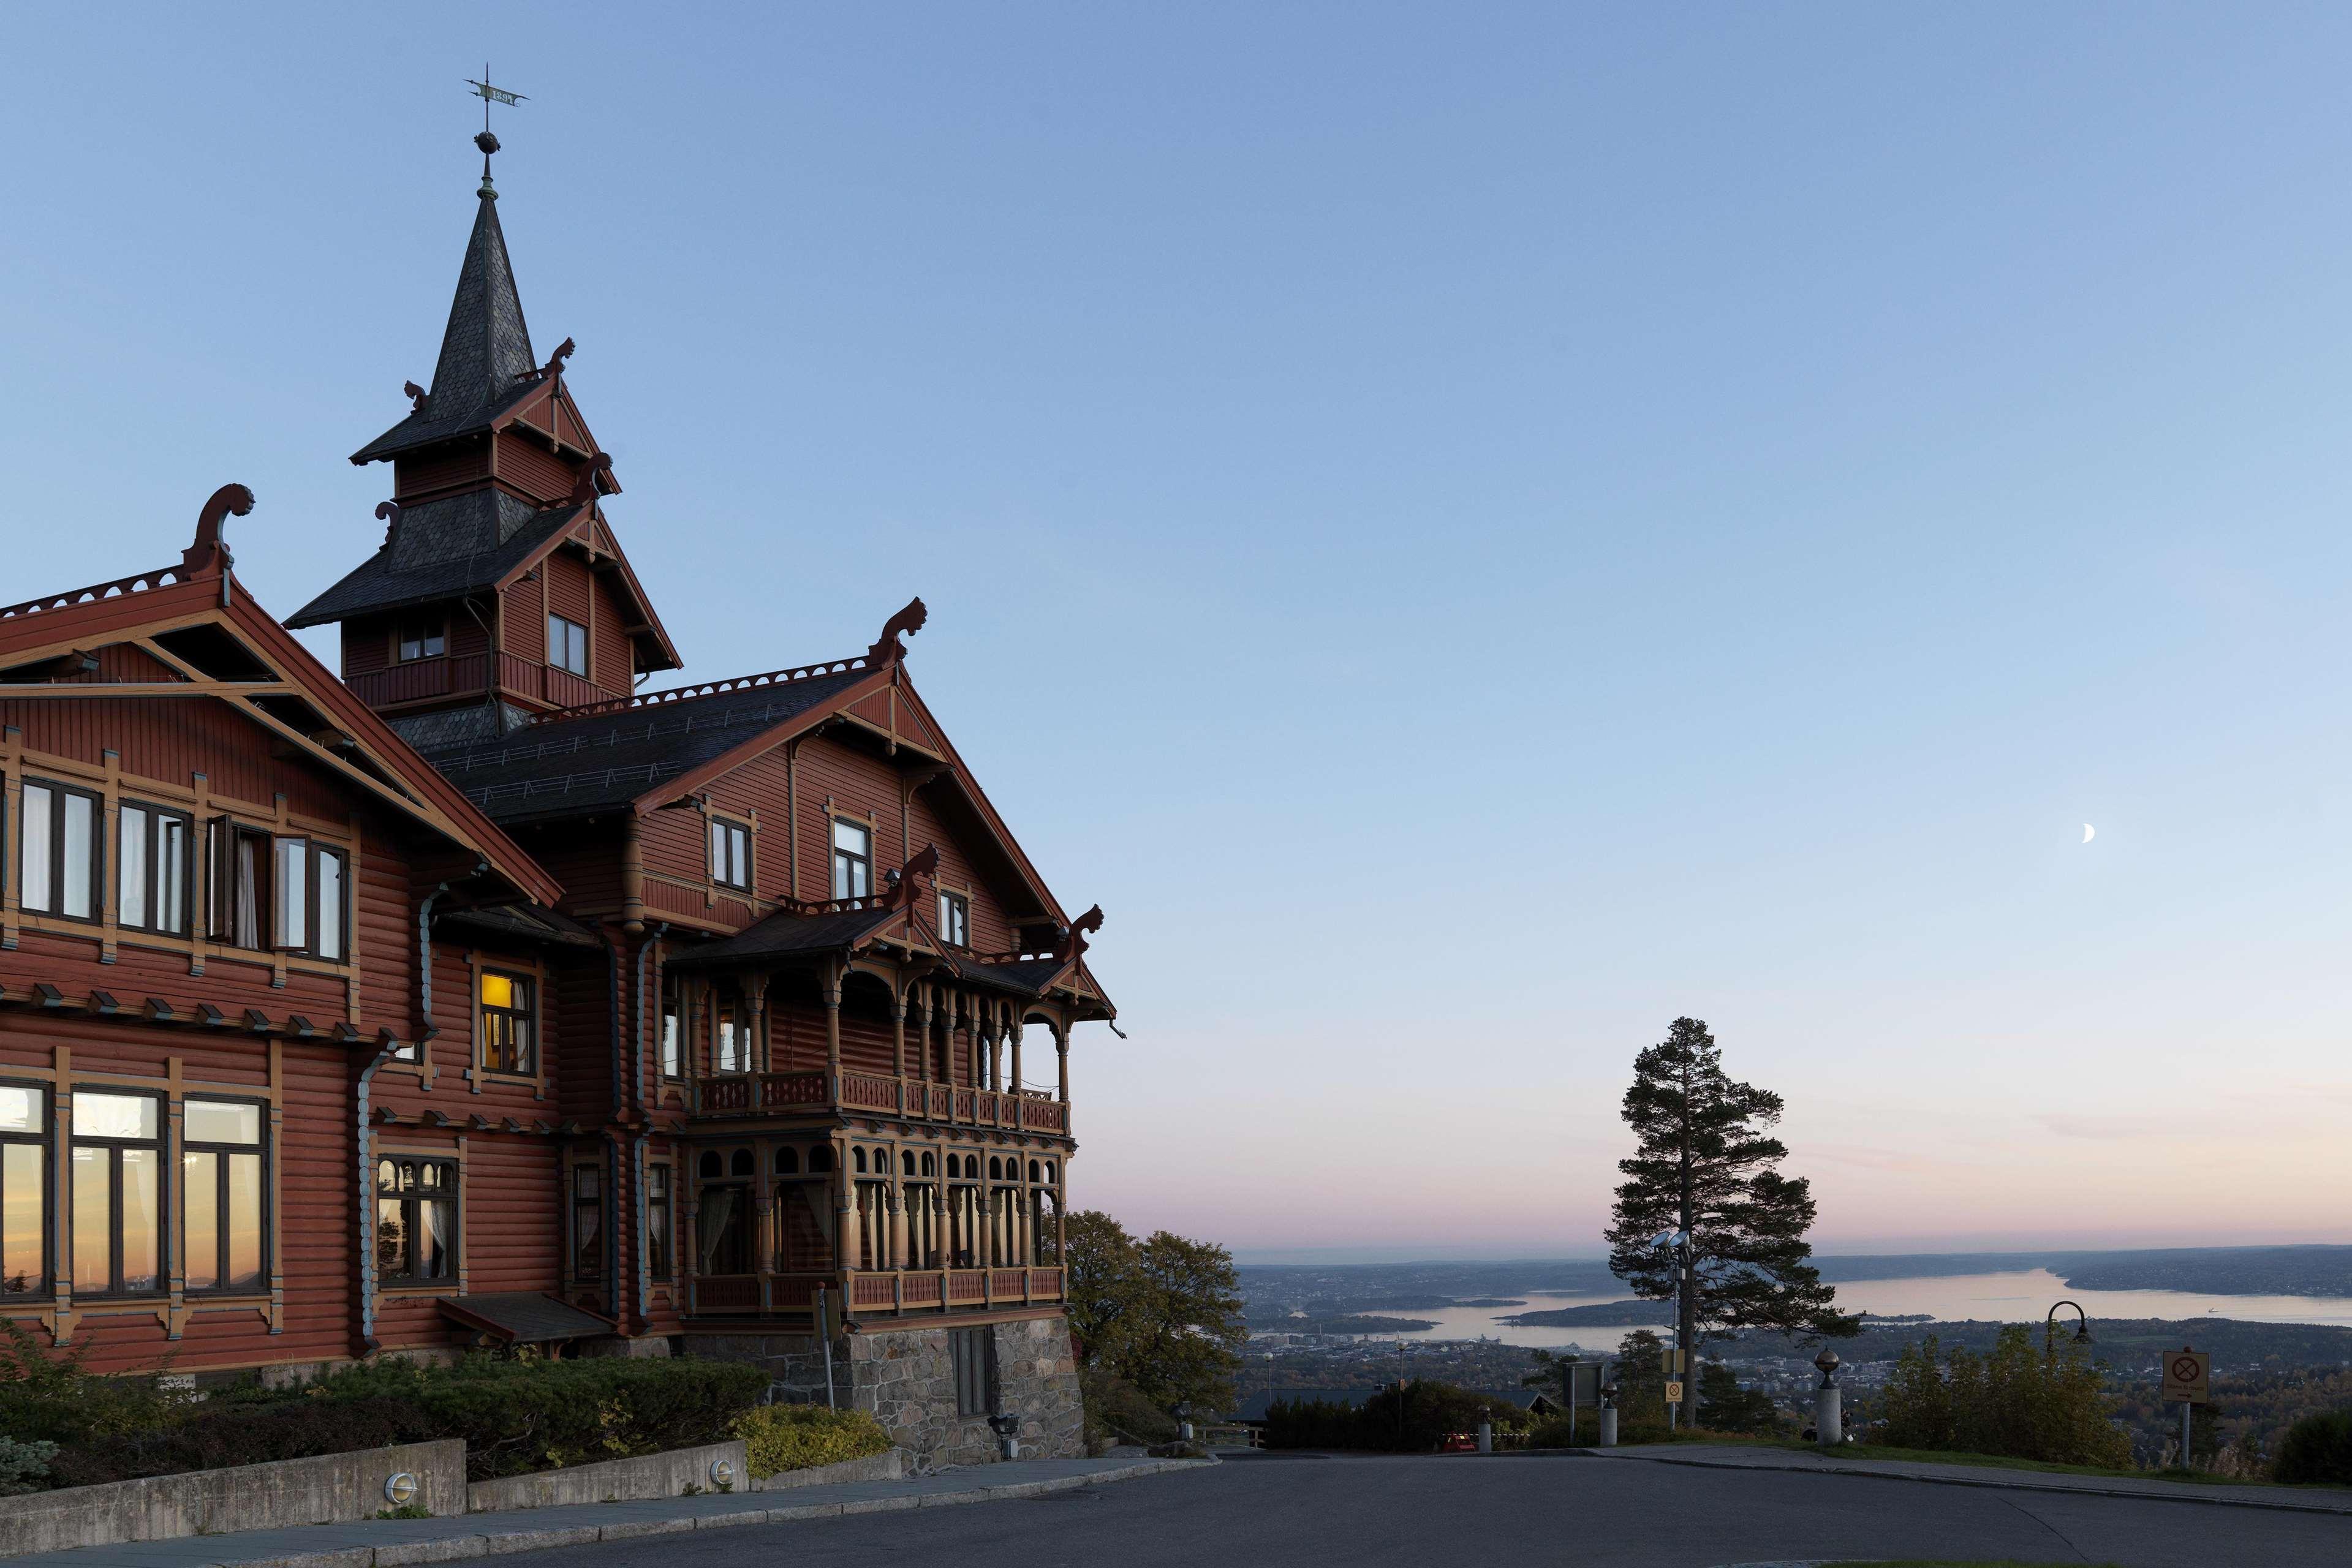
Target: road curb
x,y
499,1542
2337,1511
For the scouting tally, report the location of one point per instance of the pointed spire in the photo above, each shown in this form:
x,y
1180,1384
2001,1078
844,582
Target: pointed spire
x,y
485,347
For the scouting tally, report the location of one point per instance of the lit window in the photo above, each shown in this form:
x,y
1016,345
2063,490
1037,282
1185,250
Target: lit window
x,y
415,1221
421,638
955,920
24,1191
731,853
567,644
852,860
507,1019
152,869
118,1229
58,850
220,1161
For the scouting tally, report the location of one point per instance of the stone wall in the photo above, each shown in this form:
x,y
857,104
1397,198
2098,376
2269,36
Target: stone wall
x,y
905,1378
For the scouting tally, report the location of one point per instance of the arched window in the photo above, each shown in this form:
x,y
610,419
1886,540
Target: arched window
x,y
906,1161
743,1164
712,1165
1051,1173
928,1167
995,1168
859,1157
820,1160
1034,1170
788,1161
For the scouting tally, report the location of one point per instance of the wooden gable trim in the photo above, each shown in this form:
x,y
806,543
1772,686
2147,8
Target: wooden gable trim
x,y
648,621
726,762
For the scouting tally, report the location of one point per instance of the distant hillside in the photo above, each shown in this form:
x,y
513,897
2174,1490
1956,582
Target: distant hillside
x,y
2199,1270
1606,1314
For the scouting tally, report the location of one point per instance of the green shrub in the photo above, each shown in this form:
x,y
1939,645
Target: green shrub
x,y
241,1434
49,1396
25,1467
2016,1400
2319,1447
779,1438
1119,1412
1413,1420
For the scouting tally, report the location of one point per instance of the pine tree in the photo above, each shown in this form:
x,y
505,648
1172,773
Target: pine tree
x,y
1705,1167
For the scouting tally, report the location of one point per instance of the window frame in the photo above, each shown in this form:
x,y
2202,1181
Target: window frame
x,y
971,1358
558,647
222,835
431,638
58,792
844,859
955,919
166,1194
661,1220
259,1148
310,852
151,863
592,1201
42,1141
730,848
671,1042
412,1200
528,1014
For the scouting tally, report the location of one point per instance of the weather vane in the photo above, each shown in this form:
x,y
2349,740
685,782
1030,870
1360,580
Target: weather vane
x,y
486,141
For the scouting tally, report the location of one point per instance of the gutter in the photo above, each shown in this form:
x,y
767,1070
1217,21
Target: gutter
x,y
645,1128
368,1343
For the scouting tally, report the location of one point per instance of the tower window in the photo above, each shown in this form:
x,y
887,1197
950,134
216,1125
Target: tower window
x,y
731,853
567,644
422,637
852,860
955,920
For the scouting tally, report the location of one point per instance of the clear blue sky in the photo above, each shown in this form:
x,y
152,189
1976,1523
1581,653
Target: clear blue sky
x,y
1471,530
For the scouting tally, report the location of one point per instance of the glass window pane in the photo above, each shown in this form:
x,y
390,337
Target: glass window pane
x,y
131,893
245,895
330,906
80,843
200,1173
579,650
555,639
223,1121
670,1064
142,1230
293,902
850,836
434,1258
24,1202
243,1220
498,992
113,1115
719,850
93,1219
38,805
20,1109
171,874
391,1236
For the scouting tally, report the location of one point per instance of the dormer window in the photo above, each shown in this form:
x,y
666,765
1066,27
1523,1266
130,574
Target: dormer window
x,y
853,859
731,853
422,637
955,920
567,645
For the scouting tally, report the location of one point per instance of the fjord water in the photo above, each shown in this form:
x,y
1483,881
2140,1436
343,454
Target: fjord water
x,y
2023,1295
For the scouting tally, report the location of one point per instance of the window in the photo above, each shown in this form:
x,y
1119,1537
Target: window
x,y
152,869
567,644
955,920
972,1353
672,1062
508,1020
731,853
723,1228
310,898
587,1222
415,1221
117,1201
853,859
657,1222
733,1052
236,884
24,1191
58,860
422,637
220,1179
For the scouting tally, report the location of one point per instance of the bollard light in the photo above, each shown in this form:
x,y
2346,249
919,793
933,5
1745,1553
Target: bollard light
x,y
1828,1361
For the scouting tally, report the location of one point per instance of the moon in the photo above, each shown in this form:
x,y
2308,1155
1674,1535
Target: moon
x,y
2089,832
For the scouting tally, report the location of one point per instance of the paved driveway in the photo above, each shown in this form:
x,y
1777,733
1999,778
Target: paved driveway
x,y
1278,1511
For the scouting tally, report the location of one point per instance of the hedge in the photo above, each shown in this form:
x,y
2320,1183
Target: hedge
x,y
2319,1447
779,1438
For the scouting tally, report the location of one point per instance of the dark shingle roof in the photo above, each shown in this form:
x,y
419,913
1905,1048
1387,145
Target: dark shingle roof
x,y
441,549
783,934
524,1317
569,768
1026,978
518,923
484,348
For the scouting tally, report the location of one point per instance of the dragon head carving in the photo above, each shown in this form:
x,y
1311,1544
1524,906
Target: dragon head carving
x,y
887,649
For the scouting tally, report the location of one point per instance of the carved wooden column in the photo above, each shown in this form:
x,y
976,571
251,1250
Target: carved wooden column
x,y
1061,1055
845,1214
898,1033
755,1025
1017,1066
833,1025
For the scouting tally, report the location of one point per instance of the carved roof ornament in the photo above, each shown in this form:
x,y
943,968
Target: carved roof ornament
x,y
554,366
1074,940
925,864
887,649
210,552
414,393
583,488
388,514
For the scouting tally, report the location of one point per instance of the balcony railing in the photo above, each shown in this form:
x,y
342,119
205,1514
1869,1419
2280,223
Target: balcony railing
x,y
872,1293
877,1093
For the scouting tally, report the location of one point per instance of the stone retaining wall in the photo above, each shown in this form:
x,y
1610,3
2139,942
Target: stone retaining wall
x,y
677,1473
888,1467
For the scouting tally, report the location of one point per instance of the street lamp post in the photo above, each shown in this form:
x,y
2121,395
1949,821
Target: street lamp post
x,y
2050,1326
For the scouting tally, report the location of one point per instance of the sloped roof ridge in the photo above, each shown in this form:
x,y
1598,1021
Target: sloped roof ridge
x,y
733,686
137,582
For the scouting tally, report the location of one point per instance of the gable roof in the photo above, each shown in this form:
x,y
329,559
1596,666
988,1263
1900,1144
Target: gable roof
x,y
442,549
202,592
486,358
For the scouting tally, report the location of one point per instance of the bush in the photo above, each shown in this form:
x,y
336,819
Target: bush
x,y
2016,1400
2319,1447
1414,1419
778,1438
49,1395
1118,1412
24,1466
241,1434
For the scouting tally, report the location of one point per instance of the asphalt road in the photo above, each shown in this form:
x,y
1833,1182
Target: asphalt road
x,y
1280,1511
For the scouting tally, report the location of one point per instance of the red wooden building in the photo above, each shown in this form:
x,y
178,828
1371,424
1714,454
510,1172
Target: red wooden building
x,y
478,997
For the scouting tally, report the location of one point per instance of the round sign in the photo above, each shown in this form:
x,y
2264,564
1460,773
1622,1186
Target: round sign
x,y
2185,1369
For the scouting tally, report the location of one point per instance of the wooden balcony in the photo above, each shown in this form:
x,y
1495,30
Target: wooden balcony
x,y
871,1294
876,1094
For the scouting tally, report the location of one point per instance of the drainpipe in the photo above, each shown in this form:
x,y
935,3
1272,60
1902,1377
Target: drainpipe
x,y
645,1128
612,1143
367,1341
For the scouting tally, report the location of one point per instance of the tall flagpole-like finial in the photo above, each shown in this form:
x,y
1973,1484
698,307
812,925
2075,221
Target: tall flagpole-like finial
x,y
486,141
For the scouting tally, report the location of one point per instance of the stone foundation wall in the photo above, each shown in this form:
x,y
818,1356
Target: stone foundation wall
x,y
905,1378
